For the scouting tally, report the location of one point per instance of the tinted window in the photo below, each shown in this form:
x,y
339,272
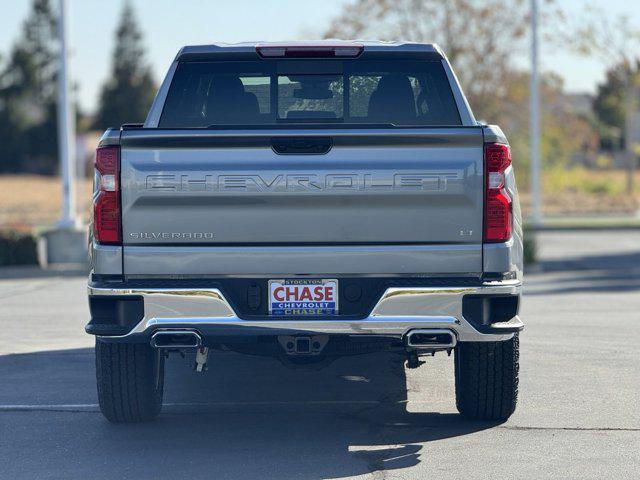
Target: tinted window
x,y
310,97
401,93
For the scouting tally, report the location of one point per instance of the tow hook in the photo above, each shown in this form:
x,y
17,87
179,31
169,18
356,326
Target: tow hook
x,y
413,361
202,354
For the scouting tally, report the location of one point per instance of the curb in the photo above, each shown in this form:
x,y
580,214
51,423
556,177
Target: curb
x,y
34,271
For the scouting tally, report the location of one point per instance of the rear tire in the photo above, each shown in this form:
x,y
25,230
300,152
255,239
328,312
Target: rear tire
x,y
487,379
130,381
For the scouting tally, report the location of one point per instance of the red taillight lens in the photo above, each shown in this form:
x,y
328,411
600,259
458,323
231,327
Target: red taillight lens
x,y
106,201
497,202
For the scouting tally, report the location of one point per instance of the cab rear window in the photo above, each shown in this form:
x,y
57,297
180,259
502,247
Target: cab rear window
x,y
269,92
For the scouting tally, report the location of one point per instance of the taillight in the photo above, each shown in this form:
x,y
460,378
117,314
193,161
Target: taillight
x,y
335,49
497,202
106,201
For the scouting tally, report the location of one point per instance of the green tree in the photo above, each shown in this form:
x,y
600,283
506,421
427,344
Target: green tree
x,y
609,104
127,95
27,96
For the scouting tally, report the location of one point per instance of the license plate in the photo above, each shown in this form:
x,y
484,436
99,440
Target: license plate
x,y
303,297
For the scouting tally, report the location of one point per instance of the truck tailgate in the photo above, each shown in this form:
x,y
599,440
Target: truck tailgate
x,y
378,201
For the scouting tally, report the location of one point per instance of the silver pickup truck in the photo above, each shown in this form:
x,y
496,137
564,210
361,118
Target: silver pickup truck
x,y
306,201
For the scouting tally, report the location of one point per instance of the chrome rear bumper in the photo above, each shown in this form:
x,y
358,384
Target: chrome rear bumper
x,y
398,311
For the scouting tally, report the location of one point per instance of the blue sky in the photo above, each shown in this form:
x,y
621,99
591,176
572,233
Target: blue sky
x,y
167,27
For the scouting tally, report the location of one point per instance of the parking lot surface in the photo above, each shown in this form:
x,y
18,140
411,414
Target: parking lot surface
x,y
361,417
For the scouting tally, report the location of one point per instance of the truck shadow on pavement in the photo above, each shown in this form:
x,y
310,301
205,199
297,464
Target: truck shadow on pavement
x,y
619,272
247,417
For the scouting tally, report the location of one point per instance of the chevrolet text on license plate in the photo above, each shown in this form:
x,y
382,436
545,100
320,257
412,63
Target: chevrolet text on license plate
x,y
303,297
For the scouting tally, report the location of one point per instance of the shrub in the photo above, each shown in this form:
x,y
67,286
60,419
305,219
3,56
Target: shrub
x,y
18,248
530,247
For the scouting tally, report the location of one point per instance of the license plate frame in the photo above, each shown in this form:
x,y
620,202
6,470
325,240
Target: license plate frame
x,y
306,297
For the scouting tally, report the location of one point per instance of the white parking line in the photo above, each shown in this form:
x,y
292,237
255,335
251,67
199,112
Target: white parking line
x,y
79,406
94,406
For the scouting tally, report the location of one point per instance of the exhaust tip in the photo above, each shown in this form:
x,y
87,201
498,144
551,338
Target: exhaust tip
x,y
176,339
440,339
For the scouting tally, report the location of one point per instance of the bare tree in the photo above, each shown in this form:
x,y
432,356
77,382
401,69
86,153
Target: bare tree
x,y
480,38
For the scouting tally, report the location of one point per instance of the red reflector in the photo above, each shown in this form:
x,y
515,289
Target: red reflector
x,y
339,50
497,202
106,203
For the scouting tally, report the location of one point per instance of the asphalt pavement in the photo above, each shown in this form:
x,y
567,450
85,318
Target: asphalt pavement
x,y
361,417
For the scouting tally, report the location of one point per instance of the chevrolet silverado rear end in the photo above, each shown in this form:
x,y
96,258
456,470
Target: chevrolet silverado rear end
x,y
306,201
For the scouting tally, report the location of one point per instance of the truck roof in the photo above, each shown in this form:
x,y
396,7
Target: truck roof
x,y
403,48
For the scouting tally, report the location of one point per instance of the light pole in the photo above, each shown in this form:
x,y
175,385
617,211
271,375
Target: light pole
x,y
66,126
66,242
534,119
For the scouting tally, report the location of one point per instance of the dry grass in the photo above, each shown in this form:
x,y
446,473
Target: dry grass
x,y
35,200
579,191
